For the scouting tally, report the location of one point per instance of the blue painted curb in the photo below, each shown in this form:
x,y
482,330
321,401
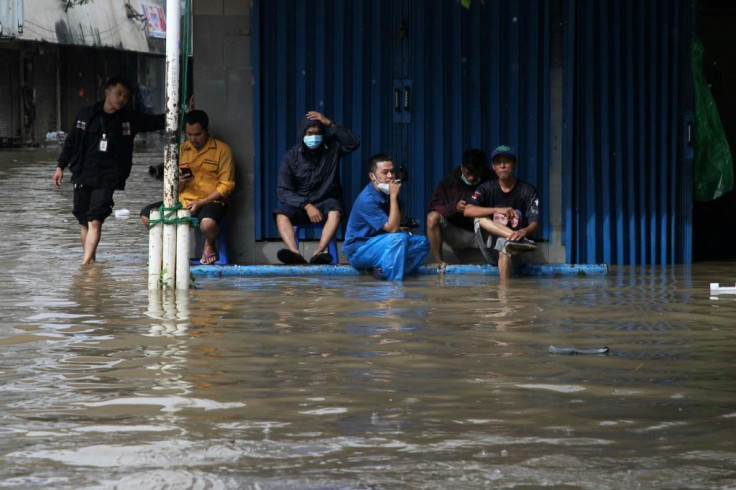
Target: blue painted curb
x,y
534,270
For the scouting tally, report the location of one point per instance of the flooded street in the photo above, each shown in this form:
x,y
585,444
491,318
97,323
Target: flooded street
x,y
343,381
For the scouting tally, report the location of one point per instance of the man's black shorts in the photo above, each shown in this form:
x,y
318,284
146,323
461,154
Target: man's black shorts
x,y
298,216
215,210
92,203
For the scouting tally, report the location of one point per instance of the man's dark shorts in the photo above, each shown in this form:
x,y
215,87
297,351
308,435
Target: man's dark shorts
x,y
298,216
215,210
92,204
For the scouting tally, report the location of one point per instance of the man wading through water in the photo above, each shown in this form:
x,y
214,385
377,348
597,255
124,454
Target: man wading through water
x,y
99,152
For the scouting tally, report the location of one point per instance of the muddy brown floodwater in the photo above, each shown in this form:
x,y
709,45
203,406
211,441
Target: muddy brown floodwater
x,y
343,381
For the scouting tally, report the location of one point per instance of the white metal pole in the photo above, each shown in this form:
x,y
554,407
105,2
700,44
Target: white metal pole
x,y
171,147
155,236
168,272
183,234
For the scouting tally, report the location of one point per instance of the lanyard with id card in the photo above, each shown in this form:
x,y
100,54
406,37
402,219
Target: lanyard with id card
x,y
103,143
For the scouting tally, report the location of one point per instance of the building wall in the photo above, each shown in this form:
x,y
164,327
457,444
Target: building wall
x,y
9,95
223,88
43,86
11,17
44,82
54,61
99,23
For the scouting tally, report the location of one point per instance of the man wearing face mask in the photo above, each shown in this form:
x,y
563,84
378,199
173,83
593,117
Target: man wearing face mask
x,y
373,240
309,187
445,220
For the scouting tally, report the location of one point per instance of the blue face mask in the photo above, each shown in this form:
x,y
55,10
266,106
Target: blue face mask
x,y
313,141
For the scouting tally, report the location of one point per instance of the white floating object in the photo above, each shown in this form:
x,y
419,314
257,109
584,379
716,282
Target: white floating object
x,y
122,213
715,288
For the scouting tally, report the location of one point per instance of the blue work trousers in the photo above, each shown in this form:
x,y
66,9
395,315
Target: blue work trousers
x,y
395,253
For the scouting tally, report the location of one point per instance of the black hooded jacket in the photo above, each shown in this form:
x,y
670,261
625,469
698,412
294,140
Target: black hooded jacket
x,y
309,176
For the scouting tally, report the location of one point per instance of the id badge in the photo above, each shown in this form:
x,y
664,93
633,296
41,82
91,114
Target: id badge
x,y
103,144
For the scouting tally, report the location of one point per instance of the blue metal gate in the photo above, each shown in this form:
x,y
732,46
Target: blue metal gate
x,y
626,149
465,79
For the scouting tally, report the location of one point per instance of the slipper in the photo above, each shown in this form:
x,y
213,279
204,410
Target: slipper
x,y
288,257
322,258
208,259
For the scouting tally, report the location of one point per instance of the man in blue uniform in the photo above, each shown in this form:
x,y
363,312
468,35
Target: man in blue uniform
x,y
373,239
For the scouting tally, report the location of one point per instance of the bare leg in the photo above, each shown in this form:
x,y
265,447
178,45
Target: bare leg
x,y
328,231
434,235
286,230
83,233
90,239
504,266
145,219
210,230
495,228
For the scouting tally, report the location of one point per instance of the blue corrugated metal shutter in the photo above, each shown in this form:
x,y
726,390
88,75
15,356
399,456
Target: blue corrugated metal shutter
x,y
629,194
477,78
481,79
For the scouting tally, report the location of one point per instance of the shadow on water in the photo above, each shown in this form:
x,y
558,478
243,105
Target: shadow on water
x,y
343,381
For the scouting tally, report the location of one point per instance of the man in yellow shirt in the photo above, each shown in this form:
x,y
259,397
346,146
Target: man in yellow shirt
x,y
206,179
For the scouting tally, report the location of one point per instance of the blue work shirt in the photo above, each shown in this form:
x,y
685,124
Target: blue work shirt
x,y
367,218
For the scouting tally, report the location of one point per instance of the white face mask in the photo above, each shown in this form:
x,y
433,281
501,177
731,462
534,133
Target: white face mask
x,y
381,187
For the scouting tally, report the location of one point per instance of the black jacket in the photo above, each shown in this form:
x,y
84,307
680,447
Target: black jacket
x,y
123,127
309,176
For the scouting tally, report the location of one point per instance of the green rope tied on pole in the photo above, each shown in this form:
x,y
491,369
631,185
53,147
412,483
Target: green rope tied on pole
x,y
169,217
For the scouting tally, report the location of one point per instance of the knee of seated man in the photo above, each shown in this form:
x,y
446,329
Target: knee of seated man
x,y
400,238
207,224
433,219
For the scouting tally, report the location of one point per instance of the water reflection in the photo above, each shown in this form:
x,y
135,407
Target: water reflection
x,y
171,308
346,382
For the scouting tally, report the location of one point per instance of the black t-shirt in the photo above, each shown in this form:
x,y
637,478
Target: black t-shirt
x,y
522,197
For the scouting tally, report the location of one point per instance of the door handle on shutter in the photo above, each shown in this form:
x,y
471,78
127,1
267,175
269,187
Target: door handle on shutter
x,y
688,140
407,98
397,99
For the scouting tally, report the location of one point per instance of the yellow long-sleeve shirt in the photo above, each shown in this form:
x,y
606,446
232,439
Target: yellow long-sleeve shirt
x,y
212,168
